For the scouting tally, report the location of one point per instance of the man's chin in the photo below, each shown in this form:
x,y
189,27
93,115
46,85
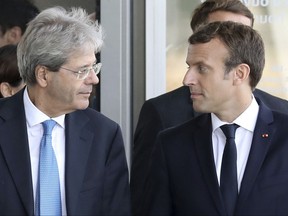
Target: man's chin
x,y
83,104
196,107
199,108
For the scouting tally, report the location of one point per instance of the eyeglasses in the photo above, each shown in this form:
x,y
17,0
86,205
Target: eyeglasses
x,y
83,73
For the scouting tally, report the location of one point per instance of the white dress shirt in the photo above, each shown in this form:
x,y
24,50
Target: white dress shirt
x,y
34,118
243,139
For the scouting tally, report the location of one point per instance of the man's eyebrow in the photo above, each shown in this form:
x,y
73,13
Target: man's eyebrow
x,y
88,65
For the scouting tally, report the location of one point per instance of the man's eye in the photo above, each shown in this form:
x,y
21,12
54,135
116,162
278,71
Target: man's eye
x,y
84,71
202,69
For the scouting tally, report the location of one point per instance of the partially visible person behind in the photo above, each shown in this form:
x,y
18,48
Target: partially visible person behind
x,y
176,107
57,155
10,80
14,16
196,170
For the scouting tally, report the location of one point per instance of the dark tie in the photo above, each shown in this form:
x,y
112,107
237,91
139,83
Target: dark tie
x,y
228,177
48,199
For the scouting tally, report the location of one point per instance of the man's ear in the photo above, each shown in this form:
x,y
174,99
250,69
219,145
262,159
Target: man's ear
x,y
6,89
41,75
13,35
242,72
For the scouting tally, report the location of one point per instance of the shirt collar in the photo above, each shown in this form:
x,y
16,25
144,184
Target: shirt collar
x,y
246,120
34,116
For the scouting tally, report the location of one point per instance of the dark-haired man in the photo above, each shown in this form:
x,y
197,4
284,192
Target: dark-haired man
x,y
175,107
14,17
232,159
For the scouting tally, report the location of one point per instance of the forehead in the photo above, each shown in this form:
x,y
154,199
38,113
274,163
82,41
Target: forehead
x,y
211,51
82,56
228,16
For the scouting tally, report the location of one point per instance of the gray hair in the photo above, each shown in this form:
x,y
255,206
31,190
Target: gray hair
x,y
53,36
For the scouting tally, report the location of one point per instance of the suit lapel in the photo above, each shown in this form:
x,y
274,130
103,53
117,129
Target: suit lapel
x,y
204,151
78,143
261,142
15,148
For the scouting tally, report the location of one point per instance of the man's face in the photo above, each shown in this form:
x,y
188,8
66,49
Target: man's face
x,y
64,92
3,39
211,90
11,36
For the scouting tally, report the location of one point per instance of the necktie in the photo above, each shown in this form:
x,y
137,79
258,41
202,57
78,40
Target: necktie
x,y
48,198
228,177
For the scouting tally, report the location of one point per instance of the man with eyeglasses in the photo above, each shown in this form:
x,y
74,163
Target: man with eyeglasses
x,y
83,73
79,166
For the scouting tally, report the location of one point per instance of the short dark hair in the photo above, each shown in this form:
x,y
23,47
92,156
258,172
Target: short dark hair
x,y
8,66
244,45
16,13
201,13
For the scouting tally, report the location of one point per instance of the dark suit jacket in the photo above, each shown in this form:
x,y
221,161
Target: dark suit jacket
x,y
157,114
184,180
96,174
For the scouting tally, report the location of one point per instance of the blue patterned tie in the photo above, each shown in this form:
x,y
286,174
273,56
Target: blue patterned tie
x,y
228,177
48,198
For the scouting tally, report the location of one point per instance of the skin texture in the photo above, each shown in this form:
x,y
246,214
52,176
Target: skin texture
x,y
7,90
211,89
11,36
61,92
208,64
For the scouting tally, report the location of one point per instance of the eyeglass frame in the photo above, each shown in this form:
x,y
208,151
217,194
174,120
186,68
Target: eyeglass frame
x,y
96,67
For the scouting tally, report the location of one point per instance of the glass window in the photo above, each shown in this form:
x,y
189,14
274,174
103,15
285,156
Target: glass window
x,y
270,21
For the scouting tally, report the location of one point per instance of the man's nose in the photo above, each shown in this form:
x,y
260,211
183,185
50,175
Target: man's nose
x,y
189,78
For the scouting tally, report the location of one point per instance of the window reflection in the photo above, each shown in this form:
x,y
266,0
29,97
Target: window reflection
x,y
270,20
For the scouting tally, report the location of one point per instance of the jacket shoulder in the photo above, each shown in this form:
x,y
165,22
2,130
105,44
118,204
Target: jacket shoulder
x,y
271,101
170,98
172,108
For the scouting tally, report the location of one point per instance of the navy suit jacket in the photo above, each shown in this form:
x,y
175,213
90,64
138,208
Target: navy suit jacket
x,y
164,111
183,179
96,174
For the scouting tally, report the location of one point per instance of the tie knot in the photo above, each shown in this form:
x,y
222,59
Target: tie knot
x,y
48,126
229,130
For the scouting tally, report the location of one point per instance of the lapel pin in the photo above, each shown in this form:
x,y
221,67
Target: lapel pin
x,y
265,135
